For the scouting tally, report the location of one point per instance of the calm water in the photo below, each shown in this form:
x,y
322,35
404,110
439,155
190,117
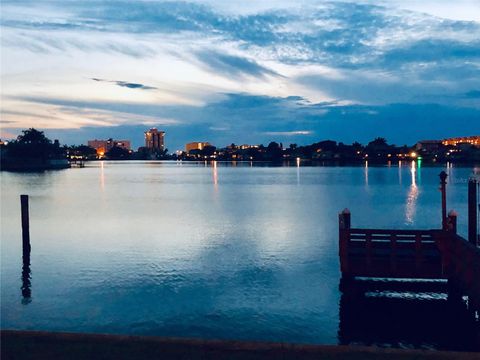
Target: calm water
x,y
196,250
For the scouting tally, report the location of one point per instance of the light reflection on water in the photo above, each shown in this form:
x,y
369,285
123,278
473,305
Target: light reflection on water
x,y
412,196
220,250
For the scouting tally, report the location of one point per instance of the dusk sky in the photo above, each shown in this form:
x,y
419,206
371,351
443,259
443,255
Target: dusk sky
x,y
241,71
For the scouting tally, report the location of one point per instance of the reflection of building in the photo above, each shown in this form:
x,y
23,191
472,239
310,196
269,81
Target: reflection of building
x,y
196,146
154,139
471,140
103,146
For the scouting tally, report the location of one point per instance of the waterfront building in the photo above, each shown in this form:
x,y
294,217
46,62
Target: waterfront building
x,y
472,140
246,146
428,145
103,146
155,140
196,146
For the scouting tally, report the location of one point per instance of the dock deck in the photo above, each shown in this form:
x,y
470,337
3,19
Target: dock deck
x,y
415,254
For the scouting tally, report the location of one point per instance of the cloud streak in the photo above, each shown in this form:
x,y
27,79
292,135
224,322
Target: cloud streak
x,y
127,84
288,133
232,65
244,118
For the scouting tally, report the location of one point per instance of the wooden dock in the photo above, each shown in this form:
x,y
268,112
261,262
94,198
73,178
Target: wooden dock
x,y
415,254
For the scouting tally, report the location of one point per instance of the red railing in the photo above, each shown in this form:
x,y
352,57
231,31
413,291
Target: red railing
x,y
391,253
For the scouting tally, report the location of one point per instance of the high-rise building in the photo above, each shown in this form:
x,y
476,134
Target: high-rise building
x,y
154,139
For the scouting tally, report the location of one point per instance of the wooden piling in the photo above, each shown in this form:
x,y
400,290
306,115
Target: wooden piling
x,y
452,221
344,224
472,211
443,189
25,224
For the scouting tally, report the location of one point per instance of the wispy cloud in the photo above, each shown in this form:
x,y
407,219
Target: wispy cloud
x,y
473,94
244,118
288,133
127,84
232,65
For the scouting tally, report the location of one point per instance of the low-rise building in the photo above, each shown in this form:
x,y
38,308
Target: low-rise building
x,y
103,146
196,146
471,140
428,145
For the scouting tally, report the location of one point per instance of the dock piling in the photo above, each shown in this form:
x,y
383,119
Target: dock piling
x,y
344,224
452,221
472,211
25,224
443,189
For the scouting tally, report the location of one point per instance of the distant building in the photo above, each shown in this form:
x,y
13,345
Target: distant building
x,y
471,140
103,146
428,145
196,146
155,140
246,146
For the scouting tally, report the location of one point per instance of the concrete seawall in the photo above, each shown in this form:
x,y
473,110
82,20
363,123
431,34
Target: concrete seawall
x,y
19,345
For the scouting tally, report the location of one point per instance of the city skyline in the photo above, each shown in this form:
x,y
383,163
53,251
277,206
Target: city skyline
x,y
281,71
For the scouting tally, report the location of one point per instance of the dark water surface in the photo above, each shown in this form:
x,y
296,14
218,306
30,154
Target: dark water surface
x,y
217,251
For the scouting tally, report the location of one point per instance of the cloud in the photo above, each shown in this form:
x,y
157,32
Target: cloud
x,y
48,113
127,84
247,118
288,133
232,65
473,94
426,83
433,50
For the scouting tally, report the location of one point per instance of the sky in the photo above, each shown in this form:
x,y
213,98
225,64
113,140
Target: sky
x,y
247,72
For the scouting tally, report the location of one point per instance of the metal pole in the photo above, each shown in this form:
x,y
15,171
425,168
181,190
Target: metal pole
x,y
472,211
443,189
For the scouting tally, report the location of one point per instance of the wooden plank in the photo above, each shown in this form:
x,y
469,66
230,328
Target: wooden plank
x,y
391,231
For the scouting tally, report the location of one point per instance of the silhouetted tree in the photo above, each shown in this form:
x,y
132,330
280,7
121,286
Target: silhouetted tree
x,y
33,136
273,151
208,150
357,146
378,142
34,144
118,153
